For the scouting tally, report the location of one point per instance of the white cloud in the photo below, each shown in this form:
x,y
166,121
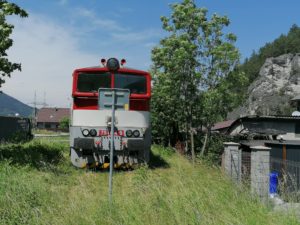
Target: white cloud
x,y
85,12
48,54
116,30
99,22
140,36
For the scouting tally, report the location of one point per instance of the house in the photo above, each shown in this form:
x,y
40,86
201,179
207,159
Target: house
x,y
49,118
265,144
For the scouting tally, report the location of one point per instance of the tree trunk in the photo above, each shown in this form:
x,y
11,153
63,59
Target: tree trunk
x,y
204,144
192,145
186,138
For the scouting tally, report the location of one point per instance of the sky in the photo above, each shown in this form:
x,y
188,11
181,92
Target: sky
x,y
62,35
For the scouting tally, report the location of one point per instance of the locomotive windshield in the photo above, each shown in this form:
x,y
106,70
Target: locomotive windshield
x,y
135,83
90,82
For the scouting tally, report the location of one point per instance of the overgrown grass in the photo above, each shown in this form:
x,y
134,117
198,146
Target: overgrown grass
x,y
39,186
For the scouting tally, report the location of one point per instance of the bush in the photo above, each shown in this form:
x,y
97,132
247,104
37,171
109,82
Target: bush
x,y
64,124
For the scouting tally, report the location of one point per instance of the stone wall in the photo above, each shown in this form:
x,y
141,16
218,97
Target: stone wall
x,y
260,170
260,166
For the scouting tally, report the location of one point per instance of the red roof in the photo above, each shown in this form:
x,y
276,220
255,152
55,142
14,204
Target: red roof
x,y
52,115
222,125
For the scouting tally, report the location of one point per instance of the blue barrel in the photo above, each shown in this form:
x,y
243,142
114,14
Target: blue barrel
x,y
273,182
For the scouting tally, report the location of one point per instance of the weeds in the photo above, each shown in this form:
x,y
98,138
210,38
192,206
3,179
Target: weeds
x,y
171,191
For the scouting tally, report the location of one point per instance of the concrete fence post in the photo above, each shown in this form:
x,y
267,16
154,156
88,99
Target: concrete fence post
x,y
233,160
260,169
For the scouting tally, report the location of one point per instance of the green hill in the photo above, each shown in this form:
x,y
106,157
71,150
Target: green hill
x,y
9,106
38,185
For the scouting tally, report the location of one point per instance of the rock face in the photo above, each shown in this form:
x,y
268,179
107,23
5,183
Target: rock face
x,y
271,92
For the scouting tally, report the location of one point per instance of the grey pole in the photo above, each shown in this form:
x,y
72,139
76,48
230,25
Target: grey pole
x,y
112,135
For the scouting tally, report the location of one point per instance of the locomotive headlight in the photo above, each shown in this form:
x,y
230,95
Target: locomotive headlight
x,y
85,132
93,132
128,133
113,64
136,133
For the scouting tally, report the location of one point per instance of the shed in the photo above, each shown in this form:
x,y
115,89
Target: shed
x,y
288,127
222,127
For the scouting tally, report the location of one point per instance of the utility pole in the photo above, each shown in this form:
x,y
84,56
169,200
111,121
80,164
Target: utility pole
x,y
44,102
35,104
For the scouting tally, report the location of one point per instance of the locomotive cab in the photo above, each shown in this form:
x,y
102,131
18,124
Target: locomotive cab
x,y
90,126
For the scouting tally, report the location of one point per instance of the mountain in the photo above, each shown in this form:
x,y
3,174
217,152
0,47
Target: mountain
x,y
270,93
10,106
284,44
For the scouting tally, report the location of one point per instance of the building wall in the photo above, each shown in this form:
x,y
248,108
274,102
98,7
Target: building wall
x,y
48,126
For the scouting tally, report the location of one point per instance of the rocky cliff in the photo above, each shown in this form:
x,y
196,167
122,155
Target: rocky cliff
x,y
271,92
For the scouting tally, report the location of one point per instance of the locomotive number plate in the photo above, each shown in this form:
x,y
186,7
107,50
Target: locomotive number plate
x,y
107,133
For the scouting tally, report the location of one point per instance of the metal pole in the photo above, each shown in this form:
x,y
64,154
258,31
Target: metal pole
x,y
239,165
112,135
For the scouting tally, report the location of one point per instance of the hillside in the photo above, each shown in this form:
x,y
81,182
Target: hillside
x,y
271,92
11,106
285,44
38,185
273,74
259,66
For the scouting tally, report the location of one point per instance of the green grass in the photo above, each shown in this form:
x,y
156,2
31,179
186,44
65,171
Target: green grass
x,y
38,185
48,132
43,131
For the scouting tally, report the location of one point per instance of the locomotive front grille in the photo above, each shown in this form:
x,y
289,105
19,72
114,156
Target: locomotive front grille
x,y
106,143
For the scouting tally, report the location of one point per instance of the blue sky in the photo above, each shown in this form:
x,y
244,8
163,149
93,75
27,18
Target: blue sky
x,y
61,35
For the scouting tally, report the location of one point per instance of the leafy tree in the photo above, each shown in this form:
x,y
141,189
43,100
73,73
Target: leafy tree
x,y
6,9
64,123
192,67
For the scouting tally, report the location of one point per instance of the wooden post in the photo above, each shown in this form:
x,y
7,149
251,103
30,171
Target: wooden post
x,y
284,157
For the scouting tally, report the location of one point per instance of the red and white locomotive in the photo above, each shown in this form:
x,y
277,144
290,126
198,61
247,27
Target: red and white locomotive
x,y
90,126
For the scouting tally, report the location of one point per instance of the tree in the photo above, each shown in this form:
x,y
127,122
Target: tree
x,y
64,123
6,9
191,70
